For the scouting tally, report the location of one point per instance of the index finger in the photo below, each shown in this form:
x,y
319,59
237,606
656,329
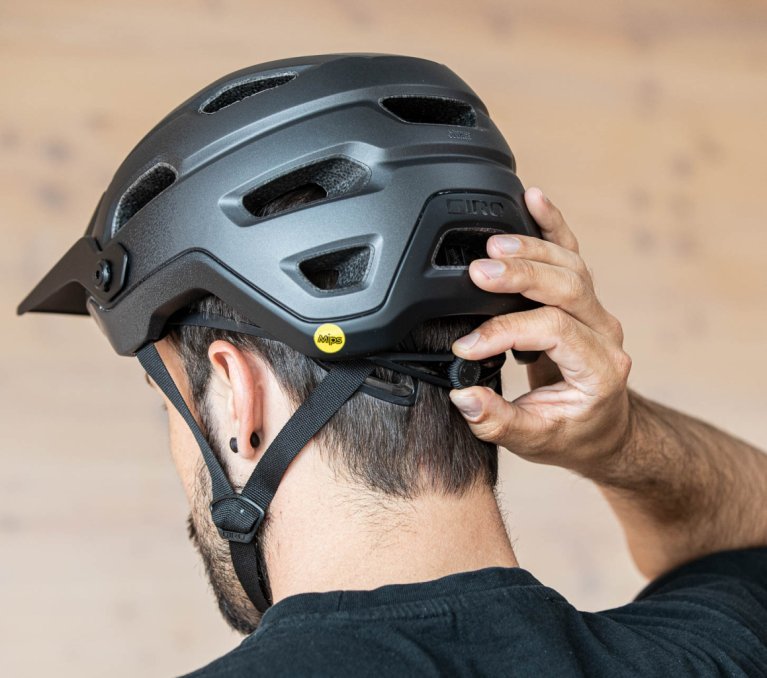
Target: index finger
x,y
580,353
552,224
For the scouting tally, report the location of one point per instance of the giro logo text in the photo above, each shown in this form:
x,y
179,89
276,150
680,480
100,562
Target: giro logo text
x,y
476,207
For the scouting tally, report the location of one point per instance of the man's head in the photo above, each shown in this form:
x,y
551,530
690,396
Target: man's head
x,y
239,385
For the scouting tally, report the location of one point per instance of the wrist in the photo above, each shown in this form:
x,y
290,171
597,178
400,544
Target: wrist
x,y
606,467
636,412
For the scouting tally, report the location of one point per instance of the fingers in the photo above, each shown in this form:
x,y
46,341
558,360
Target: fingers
x,y
550,219
549,284
535,249
584,370
585,358
545,270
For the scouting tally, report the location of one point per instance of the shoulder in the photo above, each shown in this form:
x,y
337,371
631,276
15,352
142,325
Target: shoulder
x,y
712,612
729,587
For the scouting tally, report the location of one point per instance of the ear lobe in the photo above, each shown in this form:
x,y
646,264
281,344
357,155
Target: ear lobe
x,y
241,395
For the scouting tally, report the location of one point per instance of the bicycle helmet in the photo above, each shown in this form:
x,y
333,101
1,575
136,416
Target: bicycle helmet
x,y
412,177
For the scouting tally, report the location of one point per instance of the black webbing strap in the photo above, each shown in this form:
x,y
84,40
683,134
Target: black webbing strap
x,y
340,384
249,570
152,362
323,402
238,516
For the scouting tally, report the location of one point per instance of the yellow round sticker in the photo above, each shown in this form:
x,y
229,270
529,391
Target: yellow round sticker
x,y
329,338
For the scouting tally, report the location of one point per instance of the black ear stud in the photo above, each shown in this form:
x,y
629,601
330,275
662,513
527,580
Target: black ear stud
x,y
255,441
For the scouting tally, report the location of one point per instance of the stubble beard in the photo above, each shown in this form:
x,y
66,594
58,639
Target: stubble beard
x,y
234,605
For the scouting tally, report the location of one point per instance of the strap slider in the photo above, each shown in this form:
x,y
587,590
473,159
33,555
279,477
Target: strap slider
x,y
235,510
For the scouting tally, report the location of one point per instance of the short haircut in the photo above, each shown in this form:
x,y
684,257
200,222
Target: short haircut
x,y
392,449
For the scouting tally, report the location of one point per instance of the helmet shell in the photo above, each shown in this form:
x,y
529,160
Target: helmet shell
x,y
412,168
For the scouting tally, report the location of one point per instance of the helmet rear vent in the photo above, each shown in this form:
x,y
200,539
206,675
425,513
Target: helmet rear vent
x,y
244,89
431,110
145,189
322,180
460,246
339,270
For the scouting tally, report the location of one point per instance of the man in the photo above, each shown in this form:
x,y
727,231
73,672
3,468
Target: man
x,y
307,277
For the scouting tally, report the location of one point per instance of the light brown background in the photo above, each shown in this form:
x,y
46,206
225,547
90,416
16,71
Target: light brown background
x,y
645,122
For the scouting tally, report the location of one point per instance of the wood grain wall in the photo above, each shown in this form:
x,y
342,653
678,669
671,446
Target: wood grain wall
x,y
644,121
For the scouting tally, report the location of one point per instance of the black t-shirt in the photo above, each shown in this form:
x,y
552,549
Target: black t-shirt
x,y
706,618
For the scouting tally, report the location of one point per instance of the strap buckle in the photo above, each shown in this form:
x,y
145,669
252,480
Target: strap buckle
x,y
241,510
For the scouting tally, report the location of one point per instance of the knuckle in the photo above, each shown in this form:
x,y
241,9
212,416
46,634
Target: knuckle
x,y
623,363
521,272
613,326
581,268
494,429
562,323
516,270
575,245
617,328
531,246
627,363
575,288
499,325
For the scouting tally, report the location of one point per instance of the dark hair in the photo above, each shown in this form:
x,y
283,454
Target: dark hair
x,y
396,450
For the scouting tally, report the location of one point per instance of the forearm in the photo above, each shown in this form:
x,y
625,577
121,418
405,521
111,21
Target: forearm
x,y
682,488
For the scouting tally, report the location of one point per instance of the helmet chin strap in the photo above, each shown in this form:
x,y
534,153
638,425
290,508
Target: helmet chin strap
x,y
238,516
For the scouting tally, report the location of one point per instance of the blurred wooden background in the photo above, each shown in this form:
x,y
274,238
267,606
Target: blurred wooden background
x,y
644,121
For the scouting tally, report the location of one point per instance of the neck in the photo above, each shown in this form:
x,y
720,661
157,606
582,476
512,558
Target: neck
x,y
326,535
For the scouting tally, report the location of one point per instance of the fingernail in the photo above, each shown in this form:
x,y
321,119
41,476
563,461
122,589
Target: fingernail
x,y
508,244
468,341
469,405
490,267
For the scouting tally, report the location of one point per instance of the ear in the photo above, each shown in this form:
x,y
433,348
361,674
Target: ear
x,y
239,384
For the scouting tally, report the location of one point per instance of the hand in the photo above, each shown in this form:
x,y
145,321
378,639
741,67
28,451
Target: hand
x,y
577,412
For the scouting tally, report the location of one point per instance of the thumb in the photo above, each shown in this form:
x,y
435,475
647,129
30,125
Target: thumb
x,y
492,418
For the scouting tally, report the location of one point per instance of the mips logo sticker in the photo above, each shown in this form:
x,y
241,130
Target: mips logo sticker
x,y
329,338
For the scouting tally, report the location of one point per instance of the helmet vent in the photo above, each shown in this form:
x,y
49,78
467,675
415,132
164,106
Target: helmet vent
x,y
242,90
431,111
339,270
460,246
145,189
329,178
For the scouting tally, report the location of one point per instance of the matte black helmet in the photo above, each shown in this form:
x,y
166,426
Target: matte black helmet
x,y
413,174
410,177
